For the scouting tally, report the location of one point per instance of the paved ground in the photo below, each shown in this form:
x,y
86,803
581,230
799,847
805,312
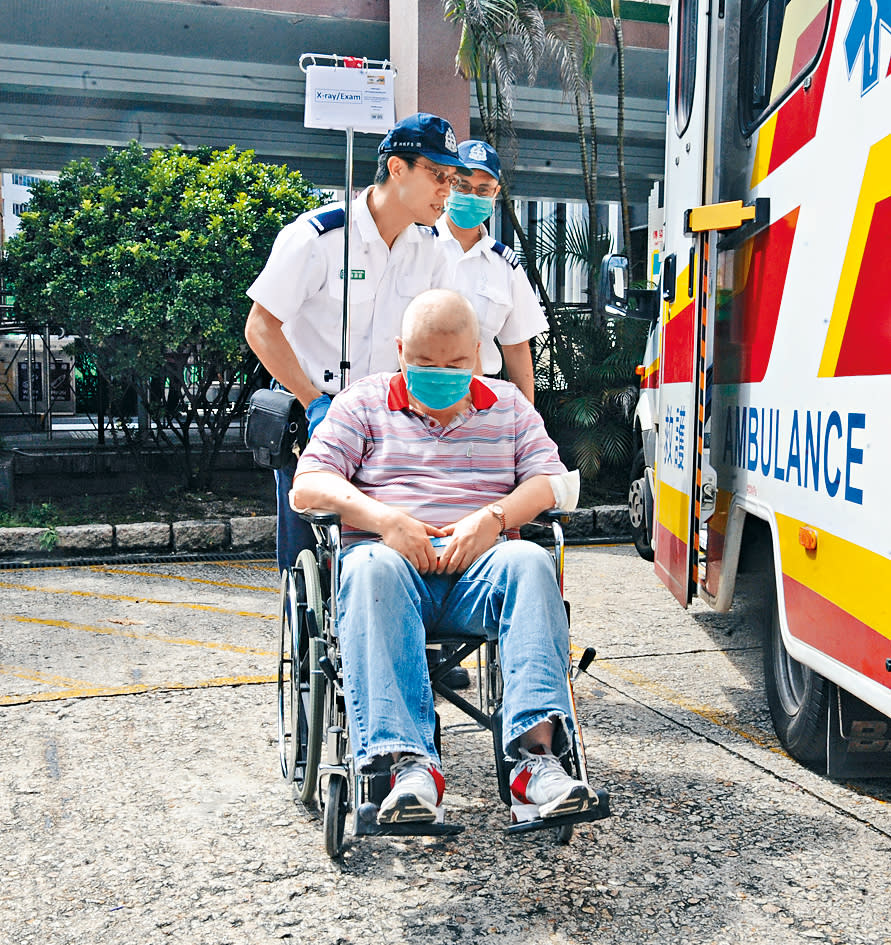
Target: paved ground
x,y
140,797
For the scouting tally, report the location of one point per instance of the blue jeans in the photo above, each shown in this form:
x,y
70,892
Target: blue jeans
x,y
383,606
292,534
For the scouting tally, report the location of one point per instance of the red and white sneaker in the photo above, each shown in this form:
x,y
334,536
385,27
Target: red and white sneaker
x,y
416,788
541,788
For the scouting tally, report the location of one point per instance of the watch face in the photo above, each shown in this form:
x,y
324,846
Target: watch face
x,y
497,508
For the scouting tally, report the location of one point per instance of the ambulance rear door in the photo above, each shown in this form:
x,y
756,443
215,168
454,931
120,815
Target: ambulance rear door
x,y
681,362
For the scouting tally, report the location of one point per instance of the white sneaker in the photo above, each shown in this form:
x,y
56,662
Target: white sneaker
x,y
416,789
541,788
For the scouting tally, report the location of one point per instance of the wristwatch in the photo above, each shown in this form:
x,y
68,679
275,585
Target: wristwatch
x,y
498,512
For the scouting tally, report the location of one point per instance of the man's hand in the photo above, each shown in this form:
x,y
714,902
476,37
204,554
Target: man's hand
x,y
471,536
411,539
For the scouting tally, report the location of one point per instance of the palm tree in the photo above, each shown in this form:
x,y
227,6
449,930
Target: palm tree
x,y
593,385
499,40
573,31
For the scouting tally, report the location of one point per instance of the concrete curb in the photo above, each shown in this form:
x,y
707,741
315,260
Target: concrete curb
x,y
254,534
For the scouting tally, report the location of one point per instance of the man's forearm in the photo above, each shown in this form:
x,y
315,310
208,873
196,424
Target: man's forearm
x,y
329,491
527,500
518,364
263,332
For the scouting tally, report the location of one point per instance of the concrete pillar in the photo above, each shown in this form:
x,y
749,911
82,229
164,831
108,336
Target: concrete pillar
x,y
7,482
423,48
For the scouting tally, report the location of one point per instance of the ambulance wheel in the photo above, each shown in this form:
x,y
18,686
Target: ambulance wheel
x,y
639,514
799,699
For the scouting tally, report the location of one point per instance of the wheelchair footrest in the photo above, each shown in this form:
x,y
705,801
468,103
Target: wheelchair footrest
x,y
599,812
367,826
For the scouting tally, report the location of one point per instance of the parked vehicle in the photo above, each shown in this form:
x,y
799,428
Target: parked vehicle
x,y
774,337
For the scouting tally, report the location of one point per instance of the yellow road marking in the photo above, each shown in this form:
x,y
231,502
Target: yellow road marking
x,y
86,693
139,600
156,637
34,675
256,565
110,569
708,713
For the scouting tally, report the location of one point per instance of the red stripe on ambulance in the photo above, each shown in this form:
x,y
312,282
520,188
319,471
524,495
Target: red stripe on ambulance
x,y
817,621
744,335
866,347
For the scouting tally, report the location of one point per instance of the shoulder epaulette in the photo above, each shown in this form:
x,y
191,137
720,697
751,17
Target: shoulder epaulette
x,y
328,220
428,229
507,254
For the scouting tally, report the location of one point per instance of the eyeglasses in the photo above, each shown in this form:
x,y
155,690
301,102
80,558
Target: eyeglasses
x,y
482,190
441,177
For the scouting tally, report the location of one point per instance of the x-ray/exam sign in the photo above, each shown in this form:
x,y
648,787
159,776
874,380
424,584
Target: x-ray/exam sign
x,y
341,98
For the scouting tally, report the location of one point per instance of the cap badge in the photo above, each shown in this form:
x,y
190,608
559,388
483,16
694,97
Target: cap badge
x,y
450,143
477,153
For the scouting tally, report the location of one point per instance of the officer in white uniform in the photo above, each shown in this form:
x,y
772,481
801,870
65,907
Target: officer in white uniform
x,y
295,324
488,272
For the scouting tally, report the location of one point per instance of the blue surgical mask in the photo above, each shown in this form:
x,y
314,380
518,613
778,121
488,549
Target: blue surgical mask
x,y
468,210
435,387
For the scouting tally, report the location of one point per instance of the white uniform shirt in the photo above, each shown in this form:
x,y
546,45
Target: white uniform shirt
x,y
302,286
502,296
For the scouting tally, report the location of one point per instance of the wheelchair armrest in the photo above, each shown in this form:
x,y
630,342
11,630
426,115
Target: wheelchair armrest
x,y
549,516
319,517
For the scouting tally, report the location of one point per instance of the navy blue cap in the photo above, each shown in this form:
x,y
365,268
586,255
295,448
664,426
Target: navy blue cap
x,y
424,134
477,155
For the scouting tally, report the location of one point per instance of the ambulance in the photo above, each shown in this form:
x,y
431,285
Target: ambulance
x,y
764,430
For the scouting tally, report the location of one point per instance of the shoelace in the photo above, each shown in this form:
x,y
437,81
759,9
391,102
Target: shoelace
x,y
548,761
406,761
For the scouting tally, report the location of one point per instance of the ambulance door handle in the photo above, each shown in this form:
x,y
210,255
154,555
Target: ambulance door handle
x,y
733,239
690,272
669,269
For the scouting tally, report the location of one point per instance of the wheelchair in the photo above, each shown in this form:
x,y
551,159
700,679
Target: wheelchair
x,y
313,736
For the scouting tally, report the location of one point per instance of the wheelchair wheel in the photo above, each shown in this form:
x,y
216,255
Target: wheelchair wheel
x,y
337,806
303,696
287,738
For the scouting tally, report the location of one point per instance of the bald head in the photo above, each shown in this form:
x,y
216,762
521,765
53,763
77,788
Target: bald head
x,y
439,329
439,312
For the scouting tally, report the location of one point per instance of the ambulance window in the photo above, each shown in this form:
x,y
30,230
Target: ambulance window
x,y
779,43
685,68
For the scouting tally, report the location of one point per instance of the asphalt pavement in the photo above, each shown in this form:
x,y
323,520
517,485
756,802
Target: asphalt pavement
x,y
141,798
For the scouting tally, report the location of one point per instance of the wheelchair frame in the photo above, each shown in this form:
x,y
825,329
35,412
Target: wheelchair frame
x,y
312,713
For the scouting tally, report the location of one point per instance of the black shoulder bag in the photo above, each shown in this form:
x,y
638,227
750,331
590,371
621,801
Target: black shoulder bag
x,y
275,420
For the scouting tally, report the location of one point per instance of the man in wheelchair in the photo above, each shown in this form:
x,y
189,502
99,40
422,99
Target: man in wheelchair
x,y
430,470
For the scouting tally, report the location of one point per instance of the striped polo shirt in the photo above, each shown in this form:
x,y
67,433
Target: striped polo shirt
x,y
376,440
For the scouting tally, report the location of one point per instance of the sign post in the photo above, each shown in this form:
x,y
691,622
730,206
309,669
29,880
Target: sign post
x,y
348,94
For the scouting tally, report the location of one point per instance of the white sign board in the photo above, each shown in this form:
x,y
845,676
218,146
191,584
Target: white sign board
x,y
341,98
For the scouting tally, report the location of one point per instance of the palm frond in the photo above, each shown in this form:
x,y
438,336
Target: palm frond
x,y
614,444
587,455
570,244
582,411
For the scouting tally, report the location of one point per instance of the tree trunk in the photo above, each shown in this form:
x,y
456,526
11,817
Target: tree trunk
x,y
586,130
620,129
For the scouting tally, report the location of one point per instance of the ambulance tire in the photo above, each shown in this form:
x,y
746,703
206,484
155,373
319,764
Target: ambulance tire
x,y
639,516
799,699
